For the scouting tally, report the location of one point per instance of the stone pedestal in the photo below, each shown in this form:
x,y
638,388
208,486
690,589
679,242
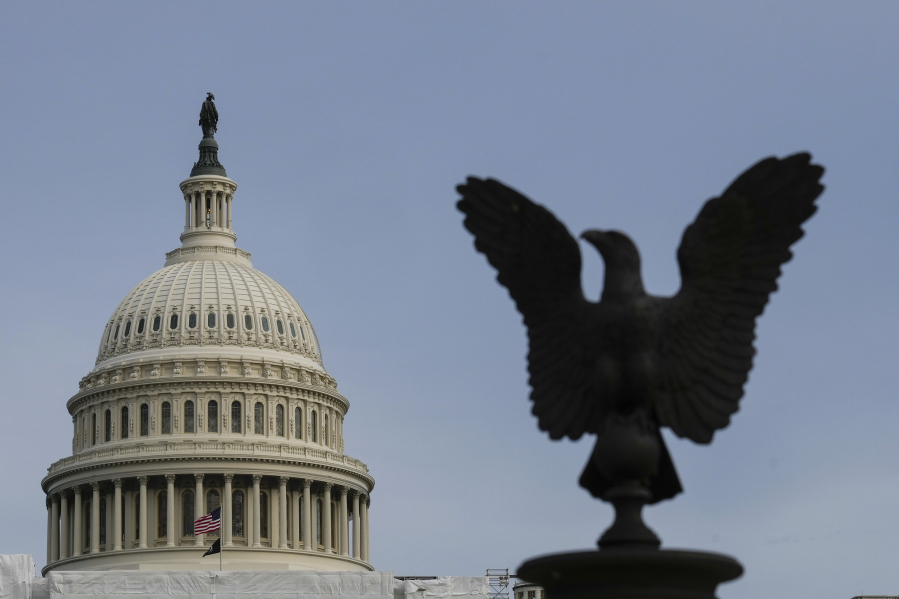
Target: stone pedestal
x,y
625,573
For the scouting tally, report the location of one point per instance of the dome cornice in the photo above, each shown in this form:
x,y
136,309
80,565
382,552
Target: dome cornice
x,y
219,456
290,389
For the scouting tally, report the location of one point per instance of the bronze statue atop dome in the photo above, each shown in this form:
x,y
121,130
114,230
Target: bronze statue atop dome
x,y
209,116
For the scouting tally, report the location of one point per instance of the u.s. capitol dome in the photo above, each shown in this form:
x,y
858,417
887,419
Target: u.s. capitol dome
x,y
208,391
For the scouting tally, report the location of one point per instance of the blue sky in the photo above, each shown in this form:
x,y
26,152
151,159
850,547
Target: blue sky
x,y
347,127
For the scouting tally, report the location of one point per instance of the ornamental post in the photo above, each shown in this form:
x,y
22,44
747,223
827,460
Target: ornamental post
x,y
357,541
307,516
95,517
257,516
344,523
326,517
198,507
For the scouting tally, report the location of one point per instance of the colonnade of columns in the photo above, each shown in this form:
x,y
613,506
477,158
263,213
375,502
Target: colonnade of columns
x,y
216,204
300,519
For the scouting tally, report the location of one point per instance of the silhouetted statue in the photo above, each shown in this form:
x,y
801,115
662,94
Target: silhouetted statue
x,y
209,116
633,362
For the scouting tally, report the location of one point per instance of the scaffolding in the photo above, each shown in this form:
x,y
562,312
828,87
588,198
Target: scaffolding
x,y
498,583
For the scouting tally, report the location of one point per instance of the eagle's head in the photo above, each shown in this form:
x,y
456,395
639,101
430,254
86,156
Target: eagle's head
x,y
622,260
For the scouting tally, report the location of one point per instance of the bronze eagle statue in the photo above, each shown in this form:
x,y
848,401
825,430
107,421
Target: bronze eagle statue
x,y
633,362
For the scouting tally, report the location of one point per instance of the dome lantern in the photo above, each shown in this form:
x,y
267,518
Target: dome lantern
x,y
208,200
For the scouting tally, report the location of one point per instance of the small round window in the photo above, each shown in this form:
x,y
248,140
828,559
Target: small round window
x,y
192,320
127,328
140,326
293,331
280,326
265,323
248,322
229,320
157,322
173,321
210,320
116,335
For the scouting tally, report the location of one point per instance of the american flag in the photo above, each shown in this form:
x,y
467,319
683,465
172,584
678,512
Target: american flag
x,y
209,522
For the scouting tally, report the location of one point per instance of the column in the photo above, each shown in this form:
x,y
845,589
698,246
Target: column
x,y
49,503
198,507
169,510
64,525
326,518
282,513
308,543
295,518
76,532
54,527
142,517
95,517
186,212
214,207
227,518
344,523
257,516
117,515
230,199
200,202
364,506
357,541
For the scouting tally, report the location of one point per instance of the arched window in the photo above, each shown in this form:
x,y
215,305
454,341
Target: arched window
x,y
140,326
127,328
173,322
157,323
136,520
192,320
280,326
212,414
248,322
144,420
326,438
103,519
279,420
123,429
213,501
162,515
229,320
297,423
293,330
86,519
189,418
235,417
258,417
116,336
237,513
264,321
314,433
210,320
263,515
166,418
93,429
303,333
187,514
318,521
107,426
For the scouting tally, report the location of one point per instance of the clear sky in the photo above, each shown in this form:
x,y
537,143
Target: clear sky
x,y
347,126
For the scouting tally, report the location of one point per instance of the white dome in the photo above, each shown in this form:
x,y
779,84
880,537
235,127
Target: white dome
x,y
209,307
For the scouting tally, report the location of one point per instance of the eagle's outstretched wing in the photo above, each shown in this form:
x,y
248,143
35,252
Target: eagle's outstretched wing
x,y
539,262
730,259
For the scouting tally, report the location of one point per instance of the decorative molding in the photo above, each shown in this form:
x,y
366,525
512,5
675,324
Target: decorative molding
x,y
142,480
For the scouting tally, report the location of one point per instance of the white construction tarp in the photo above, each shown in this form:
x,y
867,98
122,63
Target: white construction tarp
x,y
448,587
220,585
16,574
